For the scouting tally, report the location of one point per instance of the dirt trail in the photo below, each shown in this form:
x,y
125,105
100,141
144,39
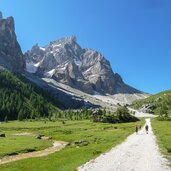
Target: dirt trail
x,y
138,153
57,146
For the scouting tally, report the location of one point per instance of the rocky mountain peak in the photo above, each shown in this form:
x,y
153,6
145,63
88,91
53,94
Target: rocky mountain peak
x,y
67,40
64,41
7,26
11,55
85,69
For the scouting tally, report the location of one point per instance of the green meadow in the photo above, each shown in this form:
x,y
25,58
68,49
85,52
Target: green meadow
x,y
99,138
21,144
162,130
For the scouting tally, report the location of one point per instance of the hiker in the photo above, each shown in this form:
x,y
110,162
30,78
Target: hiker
x,y
136,129
146,128
140,127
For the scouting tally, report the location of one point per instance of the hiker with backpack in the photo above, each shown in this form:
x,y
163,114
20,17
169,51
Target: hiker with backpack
x,y
136,129
146,128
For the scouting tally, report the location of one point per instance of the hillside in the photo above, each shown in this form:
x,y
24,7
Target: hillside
x,y
20,99
159,103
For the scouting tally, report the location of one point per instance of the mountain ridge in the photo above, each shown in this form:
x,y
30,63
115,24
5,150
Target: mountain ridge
x,y
83,68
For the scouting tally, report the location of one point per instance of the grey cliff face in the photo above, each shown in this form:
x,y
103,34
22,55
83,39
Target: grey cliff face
x,y
11,55
84,69
1,16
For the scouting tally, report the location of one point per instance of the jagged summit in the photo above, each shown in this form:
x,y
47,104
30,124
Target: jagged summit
x,y
85,69
64,41
69,39
11,56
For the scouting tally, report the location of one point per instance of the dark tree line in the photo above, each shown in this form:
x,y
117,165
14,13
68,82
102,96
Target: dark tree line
x,y
75,114
121,115
20,100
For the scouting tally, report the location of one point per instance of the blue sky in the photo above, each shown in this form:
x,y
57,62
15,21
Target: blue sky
x,y
134,35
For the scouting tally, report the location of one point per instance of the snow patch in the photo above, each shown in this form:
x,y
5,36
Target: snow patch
x,y
56,45
93,75
50,73
31,67
88,70
37,64
57,50
42,48
77,62
63,67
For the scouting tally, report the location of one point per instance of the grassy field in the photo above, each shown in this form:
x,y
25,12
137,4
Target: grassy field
x,y
13,144
100,137
162,130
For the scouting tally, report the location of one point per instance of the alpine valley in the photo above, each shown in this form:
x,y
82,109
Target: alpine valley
x,y
63,107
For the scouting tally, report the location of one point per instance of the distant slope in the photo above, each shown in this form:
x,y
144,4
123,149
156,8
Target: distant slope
x,y
20,99
161,102
110,102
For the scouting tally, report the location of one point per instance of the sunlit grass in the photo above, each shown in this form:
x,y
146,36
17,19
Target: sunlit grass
x,y
100,137
162,130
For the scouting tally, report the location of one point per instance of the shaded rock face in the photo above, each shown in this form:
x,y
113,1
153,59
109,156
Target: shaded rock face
x,y
11,55
84,69
1,16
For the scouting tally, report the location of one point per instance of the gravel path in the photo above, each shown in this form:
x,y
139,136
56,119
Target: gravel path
x,y
138,153
141,114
